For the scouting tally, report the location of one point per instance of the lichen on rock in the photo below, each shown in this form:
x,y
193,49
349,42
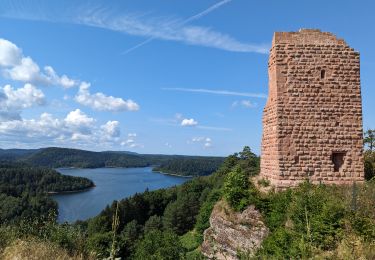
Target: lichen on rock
x,y
231,233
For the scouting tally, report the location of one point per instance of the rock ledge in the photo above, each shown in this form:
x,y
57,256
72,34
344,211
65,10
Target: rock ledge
x,y
232,232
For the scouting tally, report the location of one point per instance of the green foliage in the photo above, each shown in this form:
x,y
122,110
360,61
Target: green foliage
x,y
71,238
236,189
369,154
55,157
274,207
249,162
195,255
205,211
128,238
180,215
153,223
280,244
23,190
369,139
369,157
149,222
311,220
63,157
159,245
100,243
190,241
264,182
318,214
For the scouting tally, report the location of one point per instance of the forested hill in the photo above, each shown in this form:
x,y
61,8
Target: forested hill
x,y
24,189
63,157
190,166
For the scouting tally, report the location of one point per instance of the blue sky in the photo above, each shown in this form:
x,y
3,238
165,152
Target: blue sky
x,y
172,77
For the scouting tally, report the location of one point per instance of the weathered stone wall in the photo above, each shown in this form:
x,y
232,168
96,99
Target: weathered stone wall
x,y
312,122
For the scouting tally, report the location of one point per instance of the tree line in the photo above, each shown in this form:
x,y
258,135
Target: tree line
x,y
55,157
24,190
190,166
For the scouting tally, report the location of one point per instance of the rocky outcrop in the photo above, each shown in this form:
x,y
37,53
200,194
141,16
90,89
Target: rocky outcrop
x,y
233,232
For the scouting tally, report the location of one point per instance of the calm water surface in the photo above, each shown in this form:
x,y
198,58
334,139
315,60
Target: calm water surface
x,y
111,184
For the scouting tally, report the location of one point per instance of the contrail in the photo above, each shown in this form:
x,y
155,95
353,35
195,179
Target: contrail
x,y
188,20
205,12
219,92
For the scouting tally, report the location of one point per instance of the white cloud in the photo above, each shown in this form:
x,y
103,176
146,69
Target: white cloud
x,y
27,71
16,66
130,142
111,129
208,145
63,81
101,102
10,54
25,97
13,101
189,122
197,139
244,103
205,141
78,118
75,129
20,68
79,122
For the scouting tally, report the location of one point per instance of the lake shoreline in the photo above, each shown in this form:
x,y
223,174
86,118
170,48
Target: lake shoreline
x,y
70,191
116,167
111,184
174,174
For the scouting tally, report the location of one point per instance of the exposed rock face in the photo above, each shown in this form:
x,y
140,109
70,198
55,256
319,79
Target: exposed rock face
x,y
232,232
312,122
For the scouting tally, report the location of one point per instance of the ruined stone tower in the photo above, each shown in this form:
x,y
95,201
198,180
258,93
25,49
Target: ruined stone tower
x,y
312,122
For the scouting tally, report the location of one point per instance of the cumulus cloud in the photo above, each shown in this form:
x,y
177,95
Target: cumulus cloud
x,y
13,101
24,97
16,66
77,118
111,129
101,102
130,142
10,54
189,122
73,129
63,81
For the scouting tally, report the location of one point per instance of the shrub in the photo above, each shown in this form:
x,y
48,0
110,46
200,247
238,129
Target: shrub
x,y
236,189
157,245
205,211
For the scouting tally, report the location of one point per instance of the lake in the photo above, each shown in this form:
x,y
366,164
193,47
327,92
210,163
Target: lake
x,y
111,184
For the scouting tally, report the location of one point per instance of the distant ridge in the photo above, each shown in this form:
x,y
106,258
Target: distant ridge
x,y
57,157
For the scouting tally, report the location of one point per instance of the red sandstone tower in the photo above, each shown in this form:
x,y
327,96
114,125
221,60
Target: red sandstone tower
x,y
312,122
